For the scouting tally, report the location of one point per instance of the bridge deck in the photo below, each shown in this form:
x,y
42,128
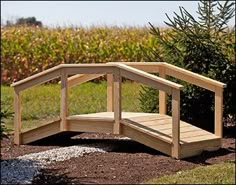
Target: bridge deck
x,y
154,130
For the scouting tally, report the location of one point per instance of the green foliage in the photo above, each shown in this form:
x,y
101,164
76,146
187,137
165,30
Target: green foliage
x,y
206,47
147,103
29,50
223,173
5,114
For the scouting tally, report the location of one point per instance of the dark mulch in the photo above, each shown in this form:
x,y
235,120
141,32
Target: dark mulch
x,y
129,162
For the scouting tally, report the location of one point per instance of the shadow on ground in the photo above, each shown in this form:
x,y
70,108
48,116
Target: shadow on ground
x,y
124,146
51,176
118,145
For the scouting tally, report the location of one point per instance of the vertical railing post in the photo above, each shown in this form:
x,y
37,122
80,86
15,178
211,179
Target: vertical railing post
x,y
176,123
162,94
17,117
117,102
64,96
110,93
218,112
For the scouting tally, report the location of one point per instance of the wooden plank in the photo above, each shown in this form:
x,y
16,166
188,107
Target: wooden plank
x,y
150,67
90,69
36,80
90,126
218,112
81,78
147,130
195,148
199,138
17,117
176,124
146,139
117,102
157,123
110,93
88,118
162,94
41,132
148,79
194,133
152,117
64,101
33,77
191,77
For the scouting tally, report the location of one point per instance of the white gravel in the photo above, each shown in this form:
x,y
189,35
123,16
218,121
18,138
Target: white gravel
x,y
23,169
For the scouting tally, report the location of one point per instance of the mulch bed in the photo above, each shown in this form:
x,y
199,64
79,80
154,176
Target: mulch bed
x,y
129,162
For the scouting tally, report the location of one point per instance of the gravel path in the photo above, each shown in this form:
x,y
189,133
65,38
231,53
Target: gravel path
x,y
22,169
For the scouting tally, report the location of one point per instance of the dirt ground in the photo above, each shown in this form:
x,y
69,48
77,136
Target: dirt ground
x,y
128,163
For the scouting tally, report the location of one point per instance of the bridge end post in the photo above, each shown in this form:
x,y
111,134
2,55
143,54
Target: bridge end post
x,y
17,117
64,97
110,93
218,112
117,102
176,124
162,94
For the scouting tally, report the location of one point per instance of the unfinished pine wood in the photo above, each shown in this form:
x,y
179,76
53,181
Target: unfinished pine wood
x,y
162,94
81,78
147,130
40,132
110,115
176,123
148,79
36,80
33,78
117,102
110,93
147,140
191,77
64,101
150,67
17,117
218,112
88,68
90,125
196,148
159,131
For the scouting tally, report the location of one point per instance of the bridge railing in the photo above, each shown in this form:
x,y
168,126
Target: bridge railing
x,y
137,71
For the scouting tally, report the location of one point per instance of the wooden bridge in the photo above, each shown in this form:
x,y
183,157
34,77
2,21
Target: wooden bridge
x,y
164,133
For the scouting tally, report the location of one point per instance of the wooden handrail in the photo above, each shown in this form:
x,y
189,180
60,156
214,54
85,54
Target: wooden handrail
x,y
149,79
171,70
150,67
55,72
37,79
192,77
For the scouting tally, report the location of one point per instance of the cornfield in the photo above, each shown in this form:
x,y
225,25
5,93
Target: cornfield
x,y
29,50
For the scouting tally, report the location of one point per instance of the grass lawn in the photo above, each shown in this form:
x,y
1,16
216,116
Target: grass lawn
x,y
43,102
223,173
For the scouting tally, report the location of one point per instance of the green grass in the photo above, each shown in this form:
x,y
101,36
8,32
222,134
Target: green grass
x,y
223,173
43,102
